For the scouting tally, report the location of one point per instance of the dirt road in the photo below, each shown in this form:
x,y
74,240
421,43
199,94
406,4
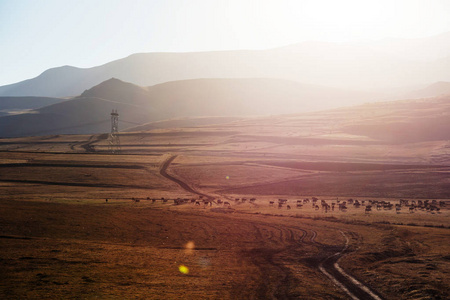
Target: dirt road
x,y
182,184
329,266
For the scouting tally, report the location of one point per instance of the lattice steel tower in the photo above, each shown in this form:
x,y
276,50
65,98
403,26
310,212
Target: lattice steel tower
x,y
114,142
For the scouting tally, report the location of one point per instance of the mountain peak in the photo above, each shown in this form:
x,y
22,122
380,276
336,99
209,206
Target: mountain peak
x,y
116,90
112,83
56,70
113,80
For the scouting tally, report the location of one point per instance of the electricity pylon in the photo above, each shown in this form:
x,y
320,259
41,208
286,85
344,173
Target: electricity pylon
x,y
114,142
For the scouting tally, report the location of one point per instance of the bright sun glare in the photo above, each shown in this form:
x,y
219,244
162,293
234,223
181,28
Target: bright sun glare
x,y
196,25
327,20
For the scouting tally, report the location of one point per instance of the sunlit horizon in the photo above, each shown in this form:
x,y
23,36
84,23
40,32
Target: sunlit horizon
x,y
37,36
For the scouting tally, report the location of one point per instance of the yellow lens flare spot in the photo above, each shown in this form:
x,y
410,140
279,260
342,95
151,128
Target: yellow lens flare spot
x,y
183,269
227,177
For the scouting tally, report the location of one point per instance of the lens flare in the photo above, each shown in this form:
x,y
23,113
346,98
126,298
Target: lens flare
x,y
227,177
183,269
189,247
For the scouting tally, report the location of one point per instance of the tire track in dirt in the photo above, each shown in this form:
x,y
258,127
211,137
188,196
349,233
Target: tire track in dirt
x,y
182,184
262,257
350,285
282,288
276,278
265,259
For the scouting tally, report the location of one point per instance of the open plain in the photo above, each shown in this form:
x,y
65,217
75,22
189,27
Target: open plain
x,y
253,209
225,150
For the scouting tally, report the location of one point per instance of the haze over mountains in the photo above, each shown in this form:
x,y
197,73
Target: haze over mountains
x,y
376,66
158,90
89,112
198,102
436,89
13,105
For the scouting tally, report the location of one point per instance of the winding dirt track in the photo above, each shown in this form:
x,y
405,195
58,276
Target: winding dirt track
x,y
328,266
182,184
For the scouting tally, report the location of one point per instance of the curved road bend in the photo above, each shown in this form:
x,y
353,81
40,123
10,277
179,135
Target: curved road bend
x,y
182,184
329,266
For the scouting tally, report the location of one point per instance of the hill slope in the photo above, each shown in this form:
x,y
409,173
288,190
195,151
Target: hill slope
x,y
27,102
436,89
215,101
404,121
89,112
375,66
261,96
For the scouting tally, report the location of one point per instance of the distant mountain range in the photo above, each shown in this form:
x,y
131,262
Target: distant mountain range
x,y
17,103
89,112
436,89
376,66
199,102
14,105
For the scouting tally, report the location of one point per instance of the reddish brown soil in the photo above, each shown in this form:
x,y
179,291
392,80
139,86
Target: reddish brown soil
x,y
59,238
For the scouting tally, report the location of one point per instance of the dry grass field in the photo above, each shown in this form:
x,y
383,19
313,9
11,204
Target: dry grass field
x,y
60,238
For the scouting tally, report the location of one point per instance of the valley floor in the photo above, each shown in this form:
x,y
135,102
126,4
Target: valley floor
x,y
79,222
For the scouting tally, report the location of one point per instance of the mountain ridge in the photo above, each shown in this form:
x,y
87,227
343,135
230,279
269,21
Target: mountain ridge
x,y
355,67
186,98
189,103
436,89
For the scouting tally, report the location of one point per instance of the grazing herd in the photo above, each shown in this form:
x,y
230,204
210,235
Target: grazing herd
x,y
200,201
431,206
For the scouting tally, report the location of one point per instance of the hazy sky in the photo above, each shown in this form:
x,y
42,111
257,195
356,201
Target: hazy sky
x,y
39,34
